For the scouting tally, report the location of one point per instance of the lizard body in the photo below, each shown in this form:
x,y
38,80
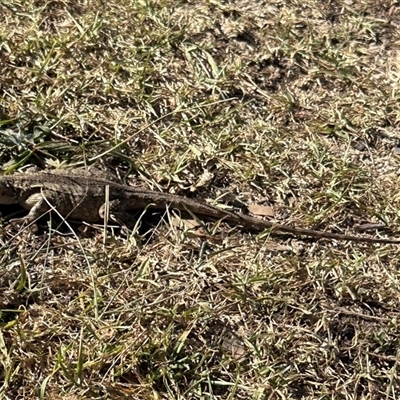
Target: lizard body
x,y
79,194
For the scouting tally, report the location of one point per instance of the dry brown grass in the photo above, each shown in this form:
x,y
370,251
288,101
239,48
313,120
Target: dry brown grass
x,y
294,104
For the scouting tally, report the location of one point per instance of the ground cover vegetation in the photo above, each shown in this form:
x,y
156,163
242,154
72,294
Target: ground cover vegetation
x,y
289,105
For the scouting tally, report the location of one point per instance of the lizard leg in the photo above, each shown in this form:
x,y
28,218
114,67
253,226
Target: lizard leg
x,y
117,213
36,205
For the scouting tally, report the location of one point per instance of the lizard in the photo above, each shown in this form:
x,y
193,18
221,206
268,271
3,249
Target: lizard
x,y
80,194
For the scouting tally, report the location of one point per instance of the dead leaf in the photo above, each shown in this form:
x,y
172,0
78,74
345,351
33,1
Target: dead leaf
x,y
273,246
187,223
203,180
265,211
